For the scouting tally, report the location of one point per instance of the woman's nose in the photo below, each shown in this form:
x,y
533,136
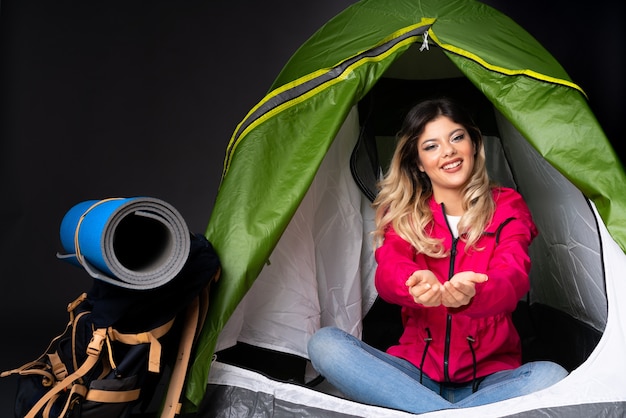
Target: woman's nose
x,y
449,149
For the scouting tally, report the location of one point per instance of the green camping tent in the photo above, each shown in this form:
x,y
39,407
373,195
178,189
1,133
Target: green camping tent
x,y
278,148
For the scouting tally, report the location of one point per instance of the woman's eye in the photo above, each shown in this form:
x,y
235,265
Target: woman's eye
x,y
429,147
458,138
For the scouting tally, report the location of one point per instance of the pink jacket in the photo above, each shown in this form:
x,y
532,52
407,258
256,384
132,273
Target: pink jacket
x,y
443,342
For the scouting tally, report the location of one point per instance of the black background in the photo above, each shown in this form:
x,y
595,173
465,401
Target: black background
x,y
140,98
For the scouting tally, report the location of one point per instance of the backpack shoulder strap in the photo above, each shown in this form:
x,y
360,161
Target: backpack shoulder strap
x,y
93,354
149,337
194,321
172,405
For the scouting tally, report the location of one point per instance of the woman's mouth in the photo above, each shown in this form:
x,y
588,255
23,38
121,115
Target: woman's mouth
x,y
453,164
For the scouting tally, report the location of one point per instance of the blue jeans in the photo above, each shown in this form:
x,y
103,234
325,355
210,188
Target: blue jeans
x,y
367,375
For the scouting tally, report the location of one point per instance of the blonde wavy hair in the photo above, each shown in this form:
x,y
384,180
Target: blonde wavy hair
x,y
404,191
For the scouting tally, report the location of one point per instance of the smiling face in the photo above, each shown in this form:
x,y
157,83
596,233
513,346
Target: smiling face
x,y
446,154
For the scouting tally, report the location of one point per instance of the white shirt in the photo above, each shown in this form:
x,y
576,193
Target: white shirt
x,y
453,221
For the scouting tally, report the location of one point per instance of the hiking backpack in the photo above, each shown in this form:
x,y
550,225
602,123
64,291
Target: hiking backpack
x,y
124,352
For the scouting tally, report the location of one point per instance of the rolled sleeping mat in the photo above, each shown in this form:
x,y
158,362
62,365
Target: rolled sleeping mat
x,y
136,243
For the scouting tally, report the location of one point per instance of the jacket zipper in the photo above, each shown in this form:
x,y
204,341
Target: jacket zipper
x,y
453,252
446,351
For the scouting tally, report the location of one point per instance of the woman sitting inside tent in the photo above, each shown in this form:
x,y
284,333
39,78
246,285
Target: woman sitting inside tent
x,y
453,253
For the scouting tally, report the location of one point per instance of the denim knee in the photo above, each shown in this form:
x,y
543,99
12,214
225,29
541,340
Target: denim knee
x,y
549,372
320,345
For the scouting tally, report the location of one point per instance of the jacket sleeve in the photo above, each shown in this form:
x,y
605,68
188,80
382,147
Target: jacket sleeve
x,y
508,269
395,258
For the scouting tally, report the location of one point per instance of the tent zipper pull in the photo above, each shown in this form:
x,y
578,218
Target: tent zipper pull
x,y
424,42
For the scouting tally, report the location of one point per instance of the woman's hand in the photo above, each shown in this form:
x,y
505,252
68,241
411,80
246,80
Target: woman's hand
x,y
461,288
424,287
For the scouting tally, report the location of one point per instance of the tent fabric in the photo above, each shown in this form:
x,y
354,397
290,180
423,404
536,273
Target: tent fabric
x,y
278,148
328,226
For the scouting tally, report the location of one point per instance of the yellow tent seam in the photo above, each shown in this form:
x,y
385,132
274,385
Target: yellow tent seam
x,y
507,71
236,139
